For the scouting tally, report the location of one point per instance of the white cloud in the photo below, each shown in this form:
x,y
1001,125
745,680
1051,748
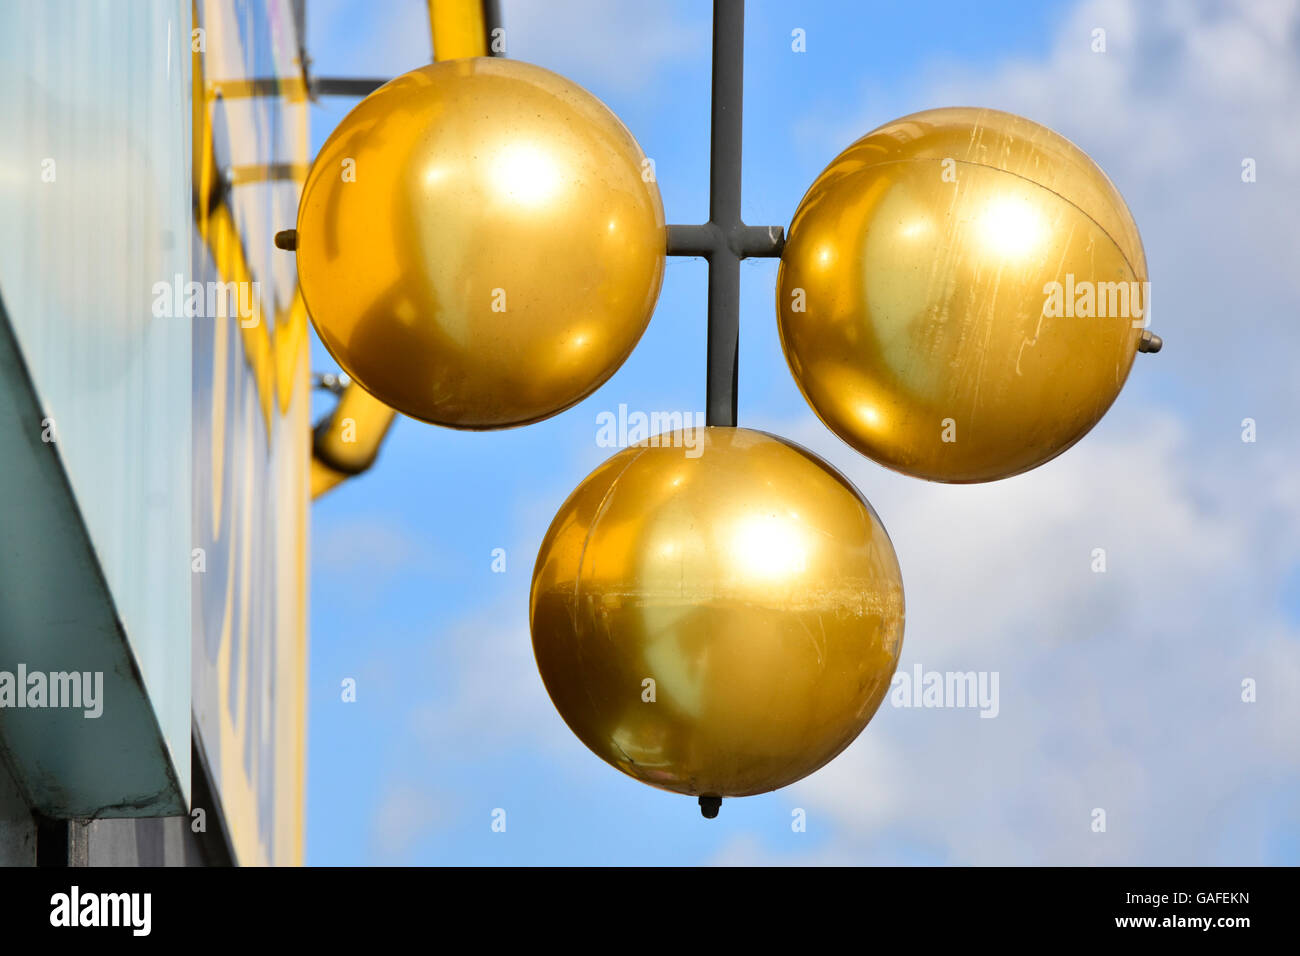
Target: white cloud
x,y
1183,93
1119,690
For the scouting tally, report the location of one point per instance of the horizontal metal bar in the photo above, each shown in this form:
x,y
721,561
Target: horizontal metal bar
x,y
264,172
344,85
746,242
292,87
694,240
752,242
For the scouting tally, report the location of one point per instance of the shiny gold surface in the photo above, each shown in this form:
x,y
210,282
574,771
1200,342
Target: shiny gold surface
x,y
456,29
751,582
923,257
497,256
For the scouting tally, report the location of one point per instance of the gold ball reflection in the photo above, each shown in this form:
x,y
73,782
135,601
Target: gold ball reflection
x,y
717,612
478,244
962,294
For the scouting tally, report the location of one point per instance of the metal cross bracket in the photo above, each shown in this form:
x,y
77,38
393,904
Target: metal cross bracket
x,y
725,239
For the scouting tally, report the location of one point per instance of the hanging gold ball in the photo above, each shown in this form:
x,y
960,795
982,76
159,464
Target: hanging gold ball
x,y
717,612
962,294
480,243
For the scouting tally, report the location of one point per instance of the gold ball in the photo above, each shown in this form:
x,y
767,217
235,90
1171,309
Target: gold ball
x,y
931,296
717,612
479,245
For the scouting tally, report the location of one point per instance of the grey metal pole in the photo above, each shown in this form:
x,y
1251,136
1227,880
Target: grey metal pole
x,y
725,239
491,22
724,208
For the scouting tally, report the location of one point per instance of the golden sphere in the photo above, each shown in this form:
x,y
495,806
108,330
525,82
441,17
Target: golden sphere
x,y
478,245
716,612
961,295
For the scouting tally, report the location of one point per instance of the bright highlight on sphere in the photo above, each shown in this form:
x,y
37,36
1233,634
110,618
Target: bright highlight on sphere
x,y
527,173
479,244
1011,228
771,546
719,624
920,291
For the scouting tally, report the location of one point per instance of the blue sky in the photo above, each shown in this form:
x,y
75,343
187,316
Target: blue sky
x,y
1119,691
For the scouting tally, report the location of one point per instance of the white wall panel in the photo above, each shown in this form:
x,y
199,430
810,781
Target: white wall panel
x,y
95,208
